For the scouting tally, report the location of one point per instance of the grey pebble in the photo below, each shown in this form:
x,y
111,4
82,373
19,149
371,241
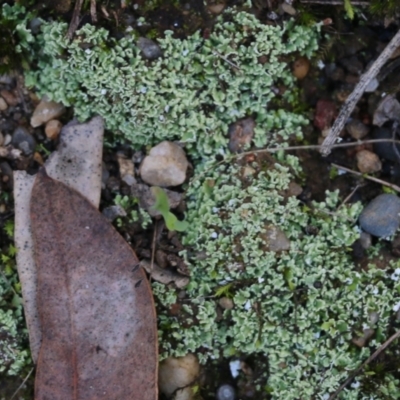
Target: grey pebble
x,y
381,216
226,392
23,140
113,212
356,129
150,49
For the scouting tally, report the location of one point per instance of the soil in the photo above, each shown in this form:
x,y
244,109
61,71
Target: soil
x,y
346,53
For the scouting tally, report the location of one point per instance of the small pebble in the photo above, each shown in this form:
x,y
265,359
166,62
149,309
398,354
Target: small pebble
x,y
126,166
356,129
363,340
45,111
23,140
216,8
53,129
11,99
365,240
226,303
3,104
325,111
165,165
368,162
150,49
381,216
288,9
241,134
113,212
301,67
226,392
3,208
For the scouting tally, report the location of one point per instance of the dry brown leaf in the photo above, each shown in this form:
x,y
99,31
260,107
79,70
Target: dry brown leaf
x,y
99,334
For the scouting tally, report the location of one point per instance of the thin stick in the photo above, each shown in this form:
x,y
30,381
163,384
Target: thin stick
x,y
307,147
371,178
335,2
358,91
75,19
22,384
93,12
215,52
349,196
365,363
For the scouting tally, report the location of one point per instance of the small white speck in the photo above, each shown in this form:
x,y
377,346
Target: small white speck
x,y
375,290
260,280
161,117
355,385
326,396
394,277
341,172
103,91
185,53
320,64
143,89
231,202
139,23
339,139
215,210
355,313
317,335
86,227
214,235
166,108
135,6
349,281
396,307
235,368
247,305
88,51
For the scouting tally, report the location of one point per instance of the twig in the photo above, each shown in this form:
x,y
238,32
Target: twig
x,y
93,12
371,178
22,384
365,363
358,91
75,19
349,196
289,148
335,2
215,52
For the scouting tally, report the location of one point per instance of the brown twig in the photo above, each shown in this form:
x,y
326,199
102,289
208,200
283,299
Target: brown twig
x,y
371,178
93,12
289,148
358,91
365,363
22,384
75,19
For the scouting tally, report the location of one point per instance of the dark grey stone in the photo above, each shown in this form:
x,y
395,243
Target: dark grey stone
x,y
381,216
385,150
23,140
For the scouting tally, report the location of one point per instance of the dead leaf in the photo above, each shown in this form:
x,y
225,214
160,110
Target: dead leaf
x,y
99,334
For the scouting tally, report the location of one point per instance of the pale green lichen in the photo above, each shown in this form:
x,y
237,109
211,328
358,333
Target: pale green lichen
x,y
301,307
192,93
14,352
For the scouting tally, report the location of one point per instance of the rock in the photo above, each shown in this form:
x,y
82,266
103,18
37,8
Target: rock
x,y
301,67
288,8
113,212
165,165
216,8
45,111
126,166
387,109
38,158
381,216
241,134
226,392
274,239
176,373
294,189
23,140
325,111
3,104
363,340
368,162
226,303
365,240
150,49
11,99
6,80
147,199
53,129
385,150
356,129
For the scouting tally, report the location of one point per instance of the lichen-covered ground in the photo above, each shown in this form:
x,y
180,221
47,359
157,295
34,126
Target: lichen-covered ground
x,y
278,277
